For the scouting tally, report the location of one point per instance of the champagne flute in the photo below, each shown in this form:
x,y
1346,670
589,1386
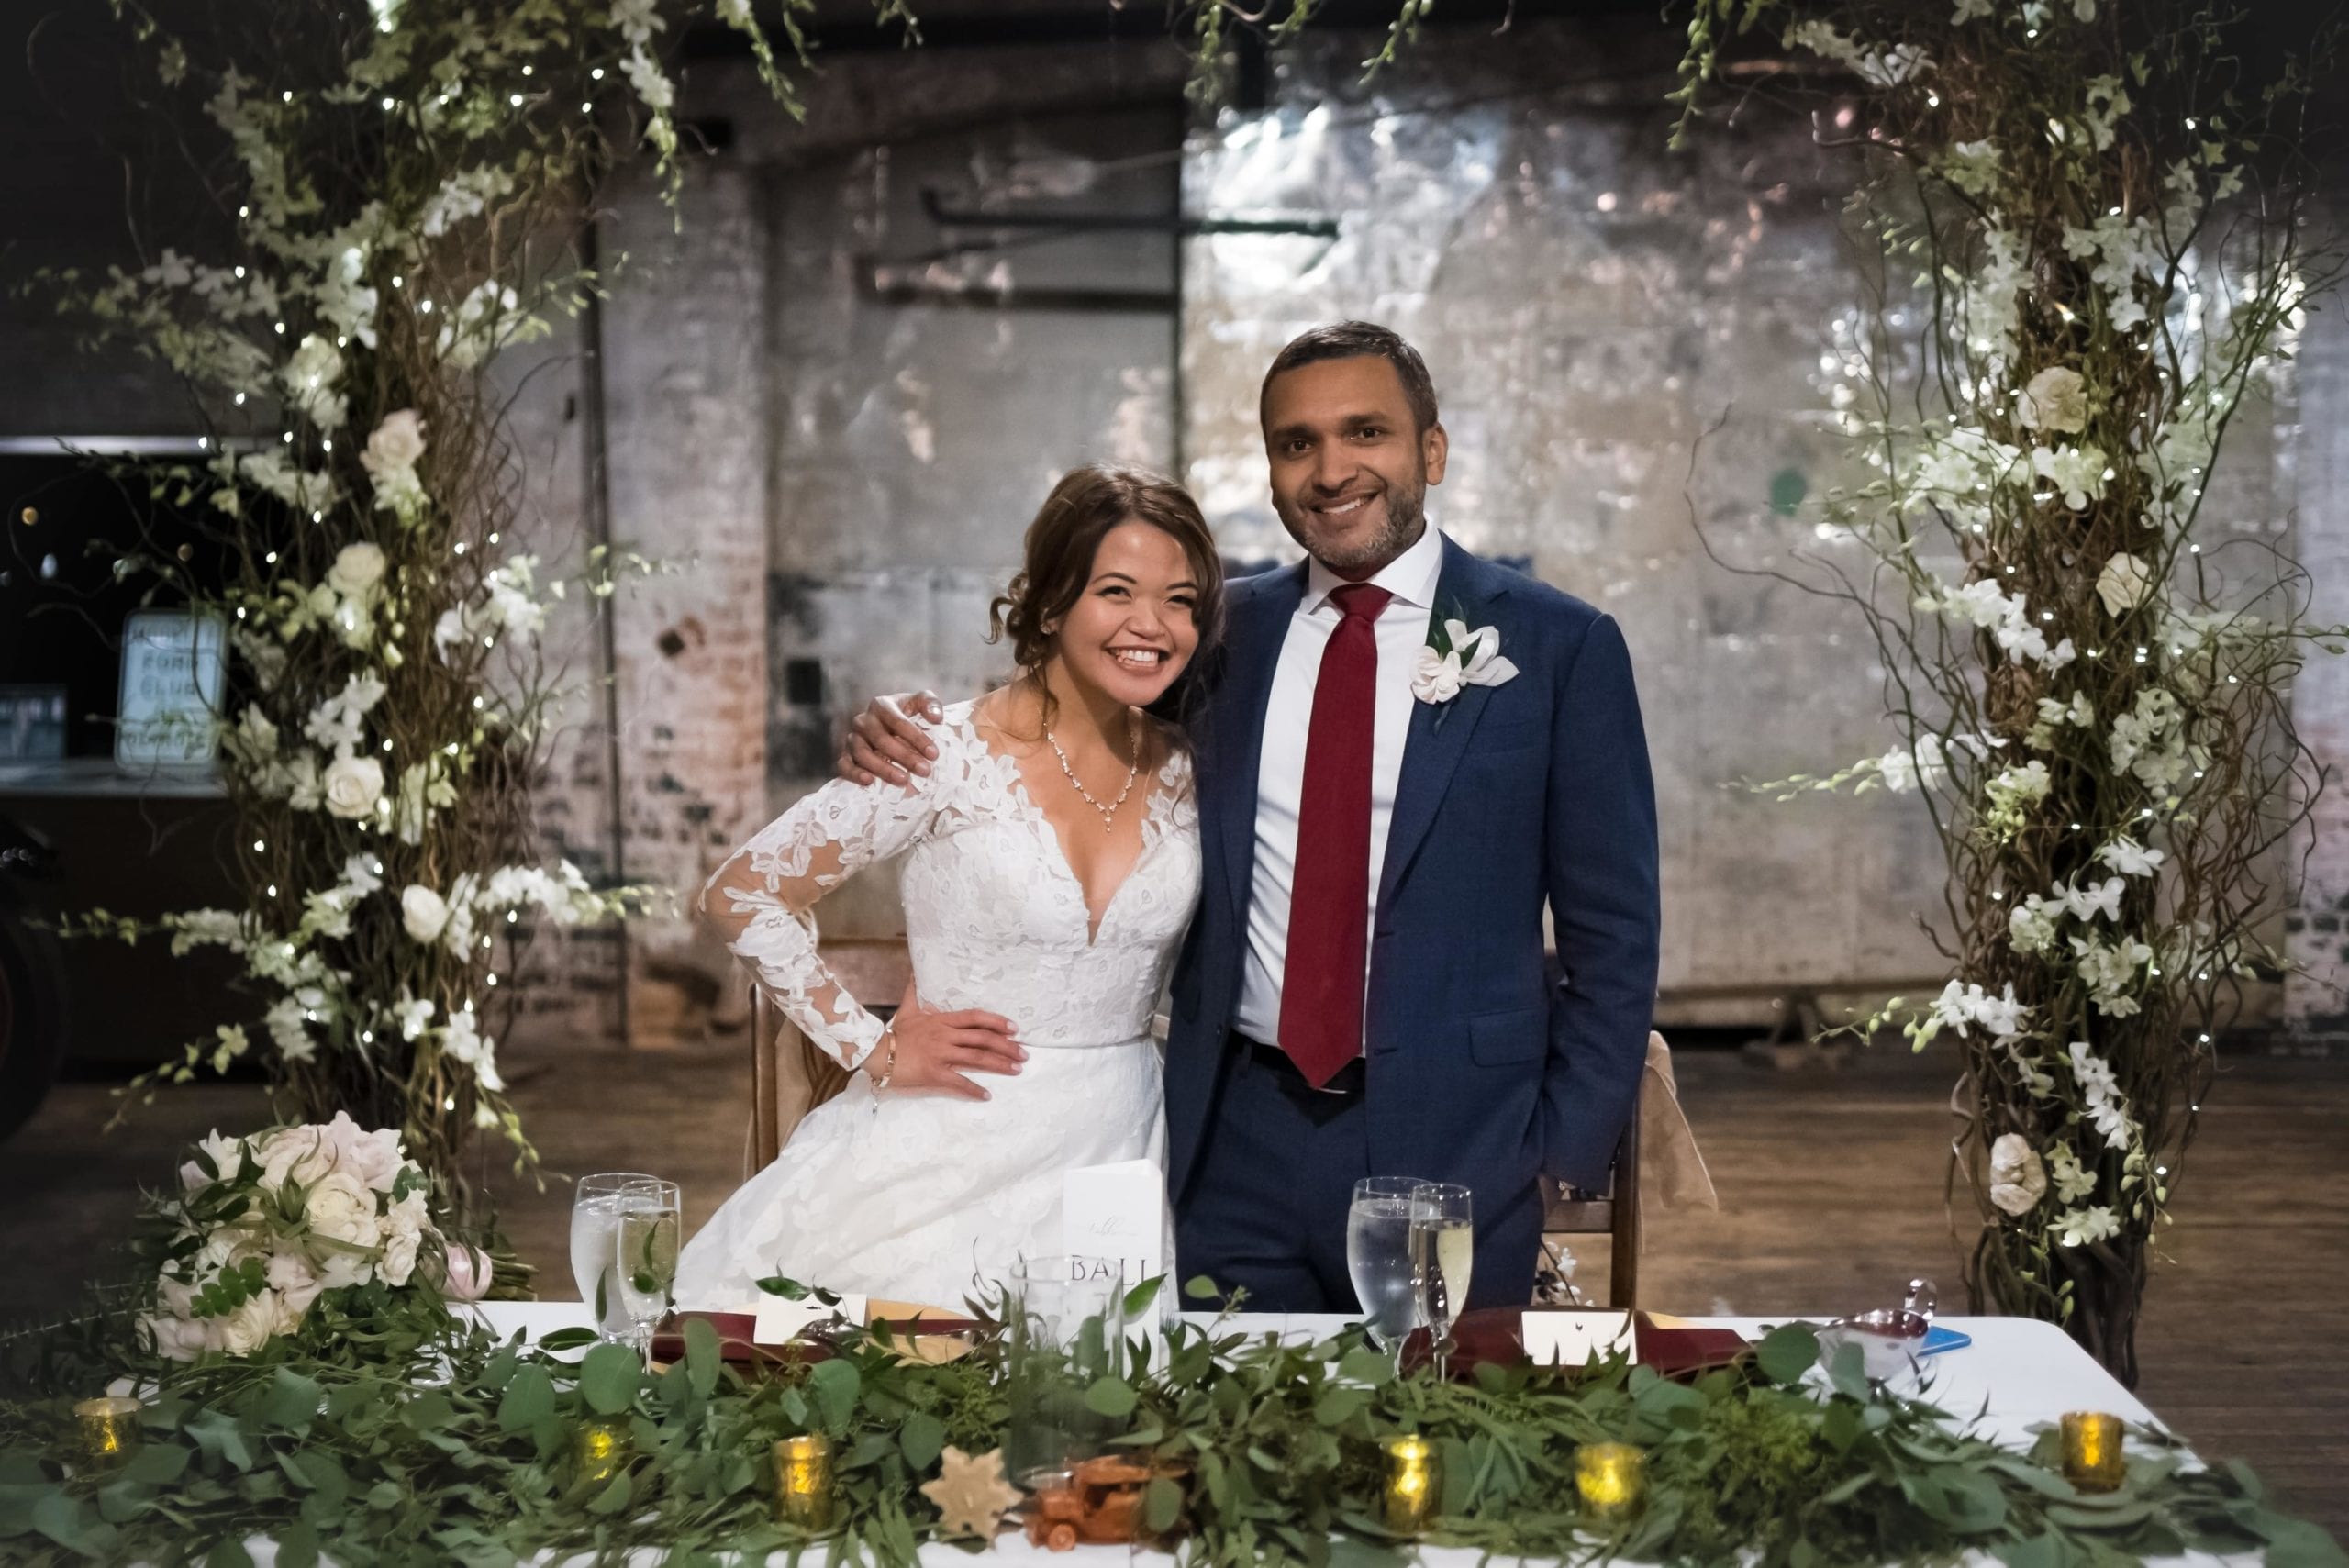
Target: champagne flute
x,y
1443,1251
651,1214
1378,1259
594,1246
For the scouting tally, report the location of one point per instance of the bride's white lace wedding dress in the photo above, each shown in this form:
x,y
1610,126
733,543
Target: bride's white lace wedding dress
x,y
913,1196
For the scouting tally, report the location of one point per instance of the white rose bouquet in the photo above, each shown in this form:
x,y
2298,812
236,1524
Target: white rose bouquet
x,y
264,1227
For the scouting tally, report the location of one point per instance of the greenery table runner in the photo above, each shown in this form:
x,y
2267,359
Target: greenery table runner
x,y
422,1438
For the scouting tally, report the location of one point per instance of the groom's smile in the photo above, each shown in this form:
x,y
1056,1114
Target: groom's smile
x,y
1350,463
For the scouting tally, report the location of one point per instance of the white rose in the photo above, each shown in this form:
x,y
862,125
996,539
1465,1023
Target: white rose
x,y
301,1153
176,1339
375,1157
357,569
404,1232
2057,399
2018,1180
2124,583
353,785
425,913
294,1281
249,1328
398,442
340,1207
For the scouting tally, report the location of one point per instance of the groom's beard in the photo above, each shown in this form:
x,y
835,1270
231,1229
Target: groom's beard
x,y
1406,507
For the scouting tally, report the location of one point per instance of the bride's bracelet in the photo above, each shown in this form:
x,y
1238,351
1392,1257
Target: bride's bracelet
x,y
889,1063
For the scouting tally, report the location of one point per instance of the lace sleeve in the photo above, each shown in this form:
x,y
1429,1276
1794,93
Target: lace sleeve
x,y
760,900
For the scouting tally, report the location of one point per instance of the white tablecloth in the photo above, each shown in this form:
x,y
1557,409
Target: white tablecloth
x,y
2016,1375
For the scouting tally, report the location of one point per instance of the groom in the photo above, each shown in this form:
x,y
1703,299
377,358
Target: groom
x,y
1362,990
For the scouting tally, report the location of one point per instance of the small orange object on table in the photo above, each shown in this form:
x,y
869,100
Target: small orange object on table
x,y
1099,1501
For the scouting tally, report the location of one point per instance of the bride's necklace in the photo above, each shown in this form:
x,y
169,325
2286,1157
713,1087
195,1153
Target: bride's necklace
x,y
1109,812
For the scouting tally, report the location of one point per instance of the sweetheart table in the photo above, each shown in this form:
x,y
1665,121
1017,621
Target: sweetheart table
x,y
2017,1375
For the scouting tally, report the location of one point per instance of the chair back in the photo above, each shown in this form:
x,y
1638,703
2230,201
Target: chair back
x,y
790,1074
1616,1213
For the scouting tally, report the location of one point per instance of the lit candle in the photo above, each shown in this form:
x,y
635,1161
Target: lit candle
x,y
601,1448
1414,1484
1612,1479
2092,1458
803,1481
110,1430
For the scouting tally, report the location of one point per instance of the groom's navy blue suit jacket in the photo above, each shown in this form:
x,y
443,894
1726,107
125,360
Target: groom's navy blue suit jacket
x,y
1513,799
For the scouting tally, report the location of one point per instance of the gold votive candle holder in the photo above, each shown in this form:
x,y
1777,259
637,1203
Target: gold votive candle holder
x,y
107,1429
1414,1484
1611,1480
600,1450
803,1481
2093,1460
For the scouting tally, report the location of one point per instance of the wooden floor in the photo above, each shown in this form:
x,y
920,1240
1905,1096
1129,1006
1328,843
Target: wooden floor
x,y
1831,1197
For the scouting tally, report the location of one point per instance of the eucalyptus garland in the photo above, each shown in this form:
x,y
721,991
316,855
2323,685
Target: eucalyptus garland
x,y
408,1436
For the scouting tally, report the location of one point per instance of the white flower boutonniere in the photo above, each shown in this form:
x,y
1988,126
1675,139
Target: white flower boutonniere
x,y
1456,657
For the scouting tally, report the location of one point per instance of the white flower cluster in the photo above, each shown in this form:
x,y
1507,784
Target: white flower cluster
x,y
1884,67
508,602
2008,794
277,1221
464,195
2150,742
2100,1092
311,379
2006,617
1962,1007
1955,468
2111,970
486,320
2077,472
1926,766
390,460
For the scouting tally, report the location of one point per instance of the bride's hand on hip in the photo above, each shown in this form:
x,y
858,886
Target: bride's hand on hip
x,y
934,1051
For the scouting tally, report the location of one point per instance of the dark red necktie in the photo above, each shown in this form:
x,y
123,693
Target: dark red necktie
x,y
1329,906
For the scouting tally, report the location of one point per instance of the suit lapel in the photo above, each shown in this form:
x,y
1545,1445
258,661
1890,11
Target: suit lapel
x,y
1473,590
1259,626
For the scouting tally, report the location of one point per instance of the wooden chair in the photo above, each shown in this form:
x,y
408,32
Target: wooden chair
x,y
1569,1212
789,1076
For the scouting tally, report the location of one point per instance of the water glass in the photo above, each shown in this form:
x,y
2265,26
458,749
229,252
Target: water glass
x,y
1378,1259
651,1216
594,1246
1065,1329
1443,1252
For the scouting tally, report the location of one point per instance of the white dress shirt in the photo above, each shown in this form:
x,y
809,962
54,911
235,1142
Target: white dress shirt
x,y
1402,631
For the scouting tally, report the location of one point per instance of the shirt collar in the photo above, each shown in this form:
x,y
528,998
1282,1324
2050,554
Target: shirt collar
x,y
1410,576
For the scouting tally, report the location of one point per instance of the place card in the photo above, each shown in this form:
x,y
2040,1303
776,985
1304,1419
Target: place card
x,y
1117,1211
1577,1339
778,1321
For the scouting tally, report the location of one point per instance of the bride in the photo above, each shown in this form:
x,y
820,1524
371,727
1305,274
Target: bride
x,y
1051,861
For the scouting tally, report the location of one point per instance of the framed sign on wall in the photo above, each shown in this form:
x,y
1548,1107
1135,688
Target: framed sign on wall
x,y
173,664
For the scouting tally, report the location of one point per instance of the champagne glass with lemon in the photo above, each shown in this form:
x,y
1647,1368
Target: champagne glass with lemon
x,y
1443,1251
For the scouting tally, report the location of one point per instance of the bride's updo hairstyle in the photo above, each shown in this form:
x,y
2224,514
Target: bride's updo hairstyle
x,y
1058,562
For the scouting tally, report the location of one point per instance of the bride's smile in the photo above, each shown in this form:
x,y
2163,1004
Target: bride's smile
x,y
1134,629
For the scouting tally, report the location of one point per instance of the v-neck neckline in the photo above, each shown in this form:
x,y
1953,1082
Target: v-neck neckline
x,y
1043,822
